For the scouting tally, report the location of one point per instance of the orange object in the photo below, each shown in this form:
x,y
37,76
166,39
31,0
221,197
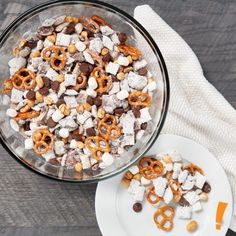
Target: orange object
x,y
220,213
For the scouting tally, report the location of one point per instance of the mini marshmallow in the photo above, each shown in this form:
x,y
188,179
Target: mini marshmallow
x,y
107,42
88,123
144,115
123,94
169,167
92,83
182,176
200,180
11,112
17,62
96,45
16,95
129,139
139,194
68,122
134,169
29,144
70,80
90,92
80,46
52,74
115,88
6,100
106,30
88,57
57,115
188,184
112,68
73,144
192,197
71,92
152,86
63,39
85,161
14,125
168,196
183,212
139,64
123,61
59,147
64,133
81,118
136,81
107,159
78,28
197,206
49,155
145,181
160,185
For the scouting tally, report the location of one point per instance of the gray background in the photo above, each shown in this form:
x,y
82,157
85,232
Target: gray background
x,y
34,205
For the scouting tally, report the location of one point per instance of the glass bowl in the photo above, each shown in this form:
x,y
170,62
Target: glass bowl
x,y
121,21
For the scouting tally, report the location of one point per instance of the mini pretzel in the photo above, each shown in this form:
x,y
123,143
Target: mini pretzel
x,y
150,168
166,221
99,20
129,50
26,115
43,141
152,197
139,99
57,57
7,86
81,82
97,72
172,184
97,145
89,24
104,84
24,79
108,129
192,168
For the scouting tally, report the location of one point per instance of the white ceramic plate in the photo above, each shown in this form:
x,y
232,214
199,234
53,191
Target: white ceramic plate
x,y
114,205
233,224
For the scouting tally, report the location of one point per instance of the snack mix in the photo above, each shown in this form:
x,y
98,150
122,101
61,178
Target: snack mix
x,y
78,92
171,185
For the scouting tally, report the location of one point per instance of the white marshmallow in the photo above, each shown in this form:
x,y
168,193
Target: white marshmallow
x,y
80,46
107,42
112,68
183,212
88,123
200,180
57,115
192,197
70,80
123,94
145,181
136,81
11,112
91,92
188,184
71,92
144,115
49,155
123,61
62,89
63,39
107,159
139,64
14,125
73,144
81,118
177,166
197,206
59,147
152,86
106,30
68,122
88,57
140,134
115,39
78,28
129,139
169,167
134,169
64,133
183,176
96,45
52,74
92,83
168,196
29,144
85,161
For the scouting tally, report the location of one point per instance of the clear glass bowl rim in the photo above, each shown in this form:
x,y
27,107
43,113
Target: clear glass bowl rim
x,y
141,30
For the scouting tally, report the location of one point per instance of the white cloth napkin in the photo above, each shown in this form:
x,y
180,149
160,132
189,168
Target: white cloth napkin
x,y
196,110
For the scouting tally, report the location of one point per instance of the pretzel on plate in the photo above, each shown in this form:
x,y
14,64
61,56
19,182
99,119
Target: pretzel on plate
x,y
152,197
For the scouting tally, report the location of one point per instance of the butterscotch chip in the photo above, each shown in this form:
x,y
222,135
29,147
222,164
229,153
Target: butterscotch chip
x,y
71,48
78,167
120,76
192,226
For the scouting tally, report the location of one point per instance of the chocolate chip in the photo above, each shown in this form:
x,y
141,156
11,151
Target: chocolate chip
x,y
142,71
30,95
206,188
46,81
60,101
31,43
51,123
136,112
119,110
144,125
45,31
122,37
90,100
26,126
107,57
55,85
137,207
114,79
70,29
44,91
97,101
77,136
183,202
84,68
90,132
54,161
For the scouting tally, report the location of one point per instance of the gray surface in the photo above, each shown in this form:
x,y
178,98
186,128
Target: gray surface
x,y
31,205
